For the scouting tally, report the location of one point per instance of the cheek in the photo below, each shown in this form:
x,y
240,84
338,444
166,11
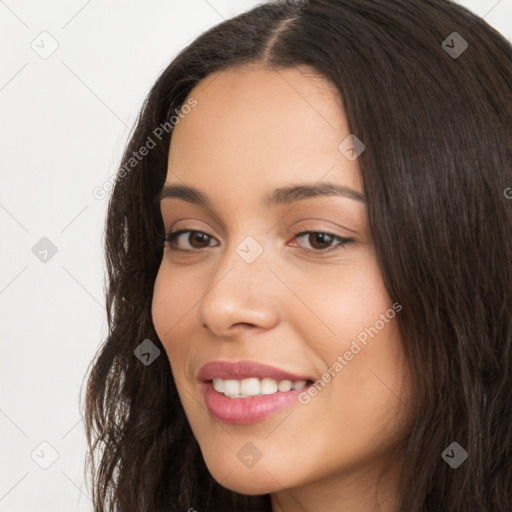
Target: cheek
x,y
172,299
347,303
362,355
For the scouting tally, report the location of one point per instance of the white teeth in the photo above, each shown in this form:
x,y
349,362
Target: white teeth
x,y
299,384
268,386
252,386
285,385
218,384
232,388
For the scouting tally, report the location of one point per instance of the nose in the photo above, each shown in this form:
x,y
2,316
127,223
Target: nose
x,y
241,295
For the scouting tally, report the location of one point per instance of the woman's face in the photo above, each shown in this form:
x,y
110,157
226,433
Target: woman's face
x,y
249,287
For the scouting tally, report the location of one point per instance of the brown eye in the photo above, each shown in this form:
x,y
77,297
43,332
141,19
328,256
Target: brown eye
x,y
320,241
195,239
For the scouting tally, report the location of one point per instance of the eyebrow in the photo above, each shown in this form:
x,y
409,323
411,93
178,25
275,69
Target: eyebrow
x,y
280,196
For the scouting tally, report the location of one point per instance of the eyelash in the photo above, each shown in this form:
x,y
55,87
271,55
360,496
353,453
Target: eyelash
x,y
171,237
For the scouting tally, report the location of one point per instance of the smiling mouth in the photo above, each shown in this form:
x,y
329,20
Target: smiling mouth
x,y
243,408
243,392
253,386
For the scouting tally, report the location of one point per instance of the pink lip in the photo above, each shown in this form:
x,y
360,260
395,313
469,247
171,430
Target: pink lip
x,y
244,370
242,411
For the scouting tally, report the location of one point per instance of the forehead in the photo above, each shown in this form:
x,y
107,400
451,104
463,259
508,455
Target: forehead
x,y
255,128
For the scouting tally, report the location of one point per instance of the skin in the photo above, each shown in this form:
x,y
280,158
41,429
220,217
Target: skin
x,y
254,130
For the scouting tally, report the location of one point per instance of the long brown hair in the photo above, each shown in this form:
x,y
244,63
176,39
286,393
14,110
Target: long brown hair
x,y
436,168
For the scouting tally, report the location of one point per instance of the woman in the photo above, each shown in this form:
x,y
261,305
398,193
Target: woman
x,y
309,248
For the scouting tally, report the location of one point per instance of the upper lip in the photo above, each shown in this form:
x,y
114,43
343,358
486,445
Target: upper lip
x,y
244,370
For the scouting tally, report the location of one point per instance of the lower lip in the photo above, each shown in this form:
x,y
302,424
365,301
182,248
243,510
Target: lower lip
x,y
243,411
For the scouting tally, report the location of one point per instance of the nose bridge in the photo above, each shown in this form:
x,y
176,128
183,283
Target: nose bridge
x,y
246,260
242,289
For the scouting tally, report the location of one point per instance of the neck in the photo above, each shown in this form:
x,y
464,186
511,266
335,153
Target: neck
x,y
363,490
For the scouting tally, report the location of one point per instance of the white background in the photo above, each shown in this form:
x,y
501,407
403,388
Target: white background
x,y
65,120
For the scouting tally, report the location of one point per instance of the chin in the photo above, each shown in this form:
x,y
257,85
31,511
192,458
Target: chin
x,y
250,481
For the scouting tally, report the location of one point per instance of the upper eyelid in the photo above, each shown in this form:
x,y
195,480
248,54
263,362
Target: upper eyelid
x,y
305,209
319,219
294,232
